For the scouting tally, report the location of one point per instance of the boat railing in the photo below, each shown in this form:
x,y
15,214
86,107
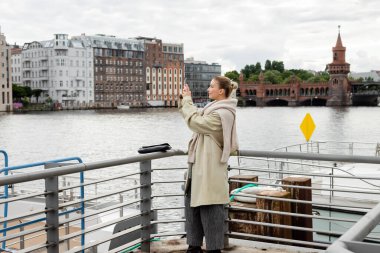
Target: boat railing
x,y
56,225
334,147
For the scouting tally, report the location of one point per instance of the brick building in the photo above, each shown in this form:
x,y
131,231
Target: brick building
x,y
164,71
118,70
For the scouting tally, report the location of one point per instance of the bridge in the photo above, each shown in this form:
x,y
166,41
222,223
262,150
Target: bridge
x,y
293,94
365,94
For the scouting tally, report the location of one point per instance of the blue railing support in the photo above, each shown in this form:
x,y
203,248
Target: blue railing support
x,y
6,169
5,195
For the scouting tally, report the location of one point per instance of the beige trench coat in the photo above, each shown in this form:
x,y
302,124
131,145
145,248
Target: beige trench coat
x,y
209,183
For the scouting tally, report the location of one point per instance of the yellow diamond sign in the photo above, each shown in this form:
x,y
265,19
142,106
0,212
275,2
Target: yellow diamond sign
x,y
307,126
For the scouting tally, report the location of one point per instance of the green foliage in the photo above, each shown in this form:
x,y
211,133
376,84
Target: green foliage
x,y
275,73
268,65
278,65
37,93
273,76
19,92
233,75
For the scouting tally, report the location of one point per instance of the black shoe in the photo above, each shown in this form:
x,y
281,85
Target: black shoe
x,y
214,251
194,249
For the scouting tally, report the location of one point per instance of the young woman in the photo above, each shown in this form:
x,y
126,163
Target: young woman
x,y
214,138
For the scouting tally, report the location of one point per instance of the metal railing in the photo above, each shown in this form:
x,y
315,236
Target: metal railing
x,y
109,207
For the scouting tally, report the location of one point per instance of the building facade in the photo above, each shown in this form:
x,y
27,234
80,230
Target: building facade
x,y
118,70
62,69
174,72
16,65
335,92
164,71
5,75
198,76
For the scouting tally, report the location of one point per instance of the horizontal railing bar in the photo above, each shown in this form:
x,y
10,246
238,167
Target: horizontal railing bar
x,y
168,208
25,232
34,247
125,246
167,195
292,172
277,239
70,169
70,203
29,214
103,240
26,196
168,182
300,201
180,168
282,226
98,181
167,234
303,187
26,223
309,156
290,214
97,226
100,211
289,162
168,221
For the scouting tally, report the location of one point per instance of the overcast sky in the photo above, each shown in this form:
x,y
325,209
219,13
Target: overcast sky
x,y
300,33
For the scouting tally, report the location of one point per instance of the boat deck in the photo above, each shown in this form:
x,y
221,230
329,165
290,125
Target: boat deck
x,y
236,246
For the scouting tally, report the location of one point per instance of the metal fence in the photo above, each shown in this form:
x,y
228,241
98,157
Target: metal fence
x,y
56,225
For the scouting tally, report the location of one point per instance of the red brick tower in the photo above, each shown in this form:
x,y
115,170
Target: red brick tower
x,y
339,84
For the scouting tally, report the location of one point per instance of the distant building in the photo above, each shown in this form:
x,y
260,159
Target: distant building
x,y
16,65
119,75
61,68
198,76
164,71
373,74
5,75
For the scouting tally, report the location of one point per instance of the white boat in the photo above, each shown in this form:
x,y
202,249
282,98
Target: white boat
x,y
123,106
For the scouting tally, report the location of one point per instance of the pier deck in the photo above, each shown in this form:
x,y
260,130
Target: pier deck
x,y
236,246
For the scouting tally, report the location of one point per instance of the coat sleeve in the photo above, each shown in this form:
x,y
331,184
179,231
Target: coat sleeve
x,y
197,123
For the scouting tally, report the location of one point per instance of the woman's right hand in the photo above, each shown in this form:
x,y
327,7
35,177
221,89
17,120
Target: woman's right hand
x,y
186,91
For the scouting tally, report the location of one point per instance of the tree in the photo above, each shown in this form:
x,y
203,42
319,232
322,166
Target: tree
x,y
37,93
258,68
278,65
28,91
273,76
233,75
18,92
268,65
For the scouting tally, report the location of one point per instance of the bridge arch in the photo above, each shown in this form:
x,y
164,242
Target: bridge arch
x,y
313,102
277,102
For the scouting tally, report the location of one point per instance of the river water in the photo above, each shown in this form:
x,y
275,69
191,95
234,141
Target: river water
x,y
98,135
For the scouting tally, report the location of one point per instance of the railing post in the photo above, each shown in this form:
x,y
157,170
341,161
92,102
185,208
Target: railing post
x,y
51,184
145,203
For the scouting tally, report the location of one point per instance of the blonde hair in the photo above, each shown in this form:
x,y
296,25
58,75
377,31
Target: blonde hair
x,y
226,84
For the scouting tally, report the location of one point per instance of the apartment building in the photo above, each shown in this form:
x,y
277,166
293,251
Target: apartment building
x,y
16,65
62,69
5,75
118,70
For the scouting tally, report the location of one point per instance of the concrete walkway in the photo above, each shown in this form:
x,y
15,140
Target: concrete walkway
x,y
236,246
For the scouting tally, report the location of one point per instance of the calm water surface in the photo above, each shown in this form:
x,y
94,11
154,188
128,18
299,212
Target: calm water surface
x,y
97,135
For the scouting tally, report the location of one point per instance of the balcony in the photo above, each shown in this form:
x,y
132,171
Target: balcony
x,y
69,97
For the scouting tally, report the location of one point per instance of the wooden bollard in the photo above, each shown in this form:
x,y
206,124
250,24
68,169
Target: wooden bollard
x,y
234,185
300,194
274,205
243,215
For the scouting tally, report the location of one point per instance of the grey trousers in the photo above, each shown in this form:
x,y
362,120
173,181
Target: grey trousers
x,y
205,221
